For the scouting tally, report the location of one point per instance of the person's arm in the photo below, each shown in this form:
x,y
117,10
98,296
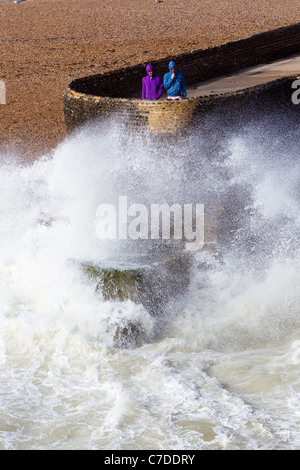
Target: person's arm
x,y
167,81
143,90
160,88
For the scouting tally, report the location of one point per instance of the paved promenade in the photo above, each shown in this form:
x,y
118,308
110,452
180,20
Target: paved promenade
x,y
247,77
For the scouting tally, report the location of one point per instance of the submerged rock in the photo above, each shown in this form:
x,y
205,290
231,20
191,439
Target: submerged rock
x,y
129,335
153,284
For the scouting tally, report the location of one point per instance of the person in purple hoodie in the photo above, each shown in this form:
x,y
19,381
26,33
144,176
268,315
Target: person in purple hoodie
x,y
152,85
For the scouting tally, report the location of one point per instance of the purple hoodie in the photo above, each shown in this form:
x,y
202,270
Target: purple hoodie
x,y
152,88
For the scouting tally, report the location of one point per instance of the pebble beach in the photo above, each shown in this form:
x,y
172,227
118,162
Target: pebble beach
x,y
44,44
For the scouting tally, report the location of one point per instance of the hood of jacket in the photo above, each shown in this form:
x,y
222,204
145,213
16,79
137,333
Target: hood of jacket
x,y
149,67
172,64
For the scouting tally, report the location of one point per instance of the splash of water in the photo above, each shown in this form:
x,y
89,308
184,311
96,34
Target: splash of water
x,y
50,219
56,330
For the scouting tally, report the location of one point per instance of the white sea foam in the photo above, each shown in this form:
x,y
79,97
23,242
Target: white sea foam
x,y
217,371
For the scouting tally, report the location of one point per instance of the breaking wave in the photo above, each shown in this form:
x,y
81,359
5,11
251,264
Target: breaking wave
x,y
202,374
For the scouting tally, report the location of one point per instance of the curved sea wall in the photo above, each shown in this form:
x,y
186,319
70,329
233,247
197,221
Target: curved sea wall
x,y
112,93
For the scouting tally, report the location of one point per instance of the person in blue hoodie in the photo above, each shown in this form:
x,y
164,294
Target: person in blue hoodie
x,y
174,83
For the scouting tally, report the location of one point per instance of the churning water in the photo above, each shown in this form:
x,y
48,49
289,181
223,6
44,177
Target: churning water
x,y
219,369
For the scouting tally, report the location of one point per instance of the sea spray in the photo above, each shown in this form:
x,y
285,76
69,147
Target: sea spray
x,y
217,369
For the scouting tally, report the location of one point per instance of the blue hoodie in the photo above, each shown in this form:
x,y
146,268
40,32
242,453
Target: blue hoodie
x,y
175,86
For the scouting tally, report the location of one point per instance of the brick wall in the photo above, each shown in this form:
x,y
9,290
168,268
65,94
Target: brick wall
x,y
103,95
